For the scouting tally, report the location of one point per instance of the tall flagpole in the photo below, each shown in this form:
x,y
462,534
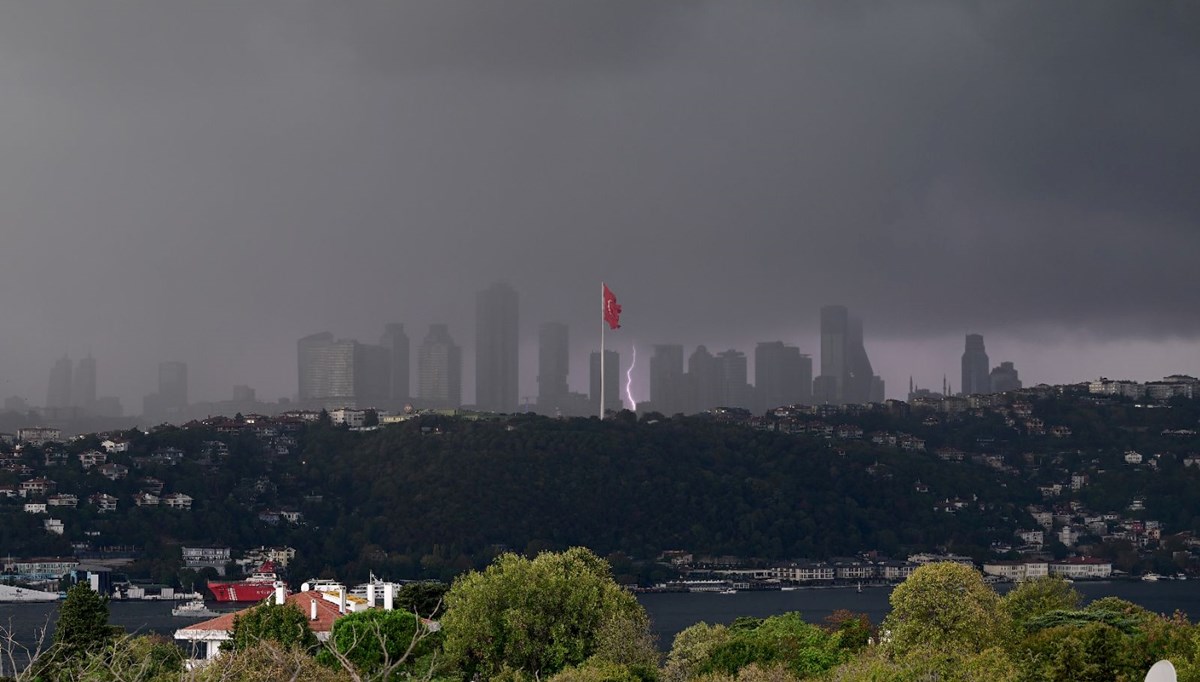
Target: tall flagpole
x,y
602,311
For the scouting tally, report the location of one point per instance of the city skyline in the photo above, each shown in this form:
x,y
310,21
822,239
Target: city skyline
x,y
939,168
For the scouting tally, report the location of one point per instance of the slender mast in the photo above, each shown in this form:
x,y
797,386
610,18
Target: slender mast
x,y
602,323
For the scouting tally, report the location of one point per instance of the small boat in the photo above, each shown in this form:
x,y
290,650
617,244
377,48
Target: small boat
x,y
728,591
195,608
788,588
1180,576
1151,577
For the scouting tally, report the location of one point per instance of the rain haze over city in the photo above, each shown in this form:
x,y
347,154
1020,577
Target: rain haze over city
x,y
208,183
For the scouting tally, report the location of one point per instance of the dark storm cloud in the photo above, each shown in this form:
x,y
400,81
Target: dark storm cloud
x,y
209,181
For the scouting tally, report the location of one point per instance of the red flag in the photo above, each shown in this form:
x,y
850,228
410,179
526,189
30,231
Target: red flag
x,y
612,309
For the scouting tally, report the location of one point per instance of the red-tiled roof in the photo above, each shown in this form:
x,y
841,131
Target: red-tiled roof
x,y
327,613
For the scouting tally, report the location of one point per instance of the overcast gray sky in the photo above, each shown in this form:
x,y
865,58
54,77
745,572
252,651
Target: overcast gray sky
x,y
209,181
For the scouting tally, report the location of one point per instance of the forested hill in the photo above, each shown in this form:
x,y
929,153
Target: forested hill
x,y
641,488
434,496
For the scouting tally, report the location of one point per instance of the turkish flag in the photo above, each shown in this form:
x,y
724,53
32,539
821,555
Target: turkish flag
x,y
612,309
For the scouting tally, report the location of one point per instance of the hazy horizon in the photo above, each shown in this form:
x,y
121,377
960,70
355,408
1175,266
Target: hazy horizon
x,y
209,182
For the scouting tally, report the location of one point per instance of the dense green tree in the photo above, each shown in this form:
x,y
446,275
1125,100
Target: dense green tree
x,y
282,623
424,598
1034,598
382,644
530,618
82,625
944,607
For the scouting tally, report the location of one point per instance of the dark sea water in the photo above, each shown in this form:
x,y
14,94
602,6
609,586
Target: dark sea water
x,y
670,612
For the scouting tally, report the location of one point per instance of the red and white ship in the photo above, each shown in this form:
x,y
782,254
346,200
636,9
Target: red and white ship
x,y
257,587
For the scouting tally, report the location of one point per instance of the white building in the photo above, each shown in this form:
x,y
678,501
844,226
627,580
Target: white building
x,y
1016,571
1082,568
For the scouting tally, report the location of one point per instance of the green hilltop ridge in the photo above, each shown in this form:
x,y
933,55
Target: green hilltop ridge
x,y
435,496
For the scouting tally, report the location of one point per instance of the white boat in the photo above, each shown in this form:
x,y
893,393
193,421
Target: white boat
x,y
195,608
1151,577
1180,576
728,591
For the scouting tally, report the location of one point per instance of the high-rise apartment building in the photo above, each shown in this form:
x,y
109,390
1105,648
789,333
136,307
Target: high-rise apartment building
x,y
439,369
496,349
83,384
396,342
58,391
612,381
553,367
667,390
975,375
782,376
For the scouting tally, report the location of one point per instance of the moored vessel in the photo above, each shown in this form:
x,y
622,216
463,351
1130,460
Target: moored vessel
x,y
195,608
257,587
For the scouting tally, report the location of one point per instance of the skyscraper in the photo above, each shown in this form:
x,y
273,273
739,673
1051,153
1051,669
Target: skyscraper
x,y
612,381
1005,378
326,371
834,373
58,391
975,376
553,367
846,372
83,384
396,342
703,381
439,369
667,394
372,375
782,376
496,351
732,379
173,386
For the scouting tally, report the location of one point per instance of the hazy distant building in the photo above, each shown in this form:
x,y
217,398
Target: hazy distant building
x,y
58,391
326,371
733,379
831,384
173,385
399,384
704,390
345,373
83,384
846,372
372,376
439,369
496,349
553,367
612,381
975,376
667,389
171,400
1005,378
243,394
782,376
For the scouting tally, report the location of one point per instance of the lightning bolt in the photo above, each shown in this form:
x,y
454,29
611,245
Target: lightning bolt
x,y
629,381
